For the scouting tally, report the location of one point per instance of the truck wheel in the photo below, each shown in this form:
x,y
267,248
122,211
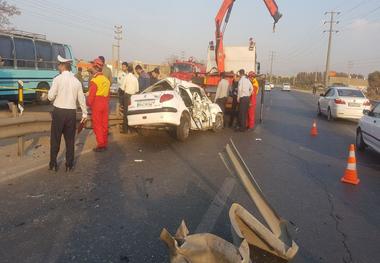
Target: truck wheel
x,y
219,123
183,129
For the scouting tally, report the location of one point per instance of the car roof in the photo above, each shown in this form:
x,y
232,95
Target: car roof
x,y
175,82
342,87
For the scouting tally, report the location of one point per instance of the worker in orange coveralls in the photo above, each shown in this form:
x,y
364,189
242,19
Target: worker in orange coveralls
x,y
252,106
98,101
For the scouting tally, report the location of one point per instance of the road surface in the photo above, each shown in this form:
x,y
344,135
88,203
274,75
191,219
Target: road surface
x,y
113,207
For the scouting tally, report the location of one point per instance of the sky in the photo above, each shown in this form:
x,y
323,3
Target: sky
x,y
154,30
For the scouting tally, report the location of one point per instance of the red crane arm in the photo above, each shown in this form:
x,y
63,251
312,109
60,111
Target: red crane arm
x,y
224,12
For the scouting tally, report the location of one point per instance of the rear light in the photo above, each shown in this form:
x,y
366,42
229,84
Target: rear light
x,y
166,97
339,101
367,103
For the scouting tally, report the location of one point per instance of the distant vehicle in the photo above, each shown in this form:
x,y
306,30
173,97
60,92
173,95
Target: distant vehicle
x,y
368,131
176,105
267,87
286,87
343,102
32,59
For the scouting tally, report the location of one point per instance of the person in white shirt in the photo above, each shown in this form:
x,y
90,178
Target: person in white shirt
x,y
120,80
244,93
222,93
65,92
130,86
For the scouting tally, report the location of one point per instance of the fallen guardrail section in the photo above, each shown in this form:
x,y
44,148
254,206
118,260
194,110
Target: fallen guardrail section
x,y
205,247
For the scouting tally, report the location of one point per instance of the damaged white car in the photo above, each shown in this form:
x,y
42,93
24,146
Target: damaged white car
x,y
176,105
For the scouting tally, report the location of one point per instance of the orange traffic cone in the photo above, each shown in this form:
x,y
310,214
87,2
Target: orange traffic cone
x,y
314,130
351,175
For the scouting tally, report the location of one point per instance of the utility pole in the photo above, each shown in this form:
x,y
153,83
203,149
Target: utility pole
x,y
332,22
271,66
118,37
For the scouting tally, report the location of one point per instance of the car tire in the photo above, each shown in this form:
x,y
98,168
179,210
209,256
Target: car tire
x,y
360,144
183,129
219,123
329,115
319,110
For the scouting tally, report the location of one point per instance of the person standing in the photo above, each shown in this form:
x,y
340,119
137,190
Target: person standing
x,y
154,78
222,94
106,70
79,76
65,92
130,87
252,105
120,80
244,93
144,79
98,100
234,94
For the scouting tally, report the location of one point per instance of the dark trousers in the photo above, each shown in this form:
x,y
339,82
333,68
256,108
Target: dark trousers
x,y
63,122
243,112
234,111
121,97
222,104
127,99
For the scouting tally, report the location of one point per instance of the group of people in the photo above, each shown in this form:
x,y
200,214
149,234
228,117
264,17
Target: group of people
x,y
243,91
67,91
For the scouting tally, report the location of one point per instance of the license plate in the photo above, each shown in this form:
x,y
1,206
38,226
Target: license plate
x,y
145,103
353,104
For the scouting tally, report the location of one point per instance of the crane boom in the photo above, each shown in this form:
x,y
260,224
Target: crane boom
x,y
224,13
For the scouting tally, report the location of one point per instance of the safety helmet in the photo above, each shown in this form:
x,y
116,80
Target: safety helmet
x,y
98,63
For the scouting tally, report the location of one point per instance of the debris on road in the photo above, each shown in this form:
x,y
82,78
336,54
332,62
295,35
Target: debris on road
x,y
139,161
259,139
199,248
36,196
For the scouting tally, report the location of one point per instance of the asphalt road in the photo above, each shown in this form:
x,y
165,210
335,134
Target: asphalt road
x,y
113,207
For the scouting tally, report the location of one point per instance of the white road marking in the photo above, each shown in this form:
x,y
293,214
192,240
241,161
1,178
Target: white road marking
x,y
216,207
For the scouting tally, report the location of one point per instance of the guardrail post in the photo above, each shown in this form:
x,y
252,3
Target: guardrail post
x,y
21,96
20,144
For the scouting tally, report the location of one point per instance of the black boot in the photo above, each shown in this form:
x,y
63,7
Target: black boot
x,y
69,168
53,167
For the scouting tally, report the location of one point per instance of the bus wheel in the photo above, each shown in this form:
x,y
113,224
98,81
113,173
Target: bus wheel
x,y
42,93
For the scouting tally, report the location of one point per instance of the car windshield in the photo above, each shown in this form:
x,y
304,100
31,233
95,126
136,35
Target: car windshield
x,y
160,86
181,68
350,93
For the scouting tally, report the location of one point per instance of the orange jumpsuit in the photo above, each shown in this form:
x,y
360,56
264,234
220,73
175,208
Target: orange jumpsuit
x,y
252,106
98,101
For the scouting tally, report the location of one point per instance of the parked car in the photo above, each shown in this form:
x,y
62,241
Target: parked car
x,y
368,131
286,87
343,102
175,105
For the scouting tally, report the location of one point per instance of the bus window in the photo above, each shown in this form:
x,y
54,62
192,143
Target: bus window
x,y
25,55
6,52
44,55
68,52
58,50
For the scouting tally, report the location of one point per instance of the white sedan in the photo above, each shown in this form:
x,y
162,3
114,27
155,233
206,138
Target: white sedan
x,y
176,105
368,131
343,102
286,87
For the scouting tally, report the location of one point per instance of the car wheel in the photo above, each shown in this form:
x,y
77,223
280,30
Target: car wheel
x,y
319,110
329,115
219,123
360,144
183,129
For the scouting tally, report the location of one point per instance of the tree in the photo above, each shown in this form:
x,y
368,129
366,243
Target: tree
x,y
374,85
7,11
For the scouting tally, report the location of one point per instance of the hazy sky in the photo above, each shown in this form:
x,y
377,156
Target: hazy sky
x,y
157,29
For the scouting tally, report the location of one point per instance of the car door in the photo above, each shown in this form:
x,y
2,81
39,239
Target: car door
x,y
324,101
375,128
